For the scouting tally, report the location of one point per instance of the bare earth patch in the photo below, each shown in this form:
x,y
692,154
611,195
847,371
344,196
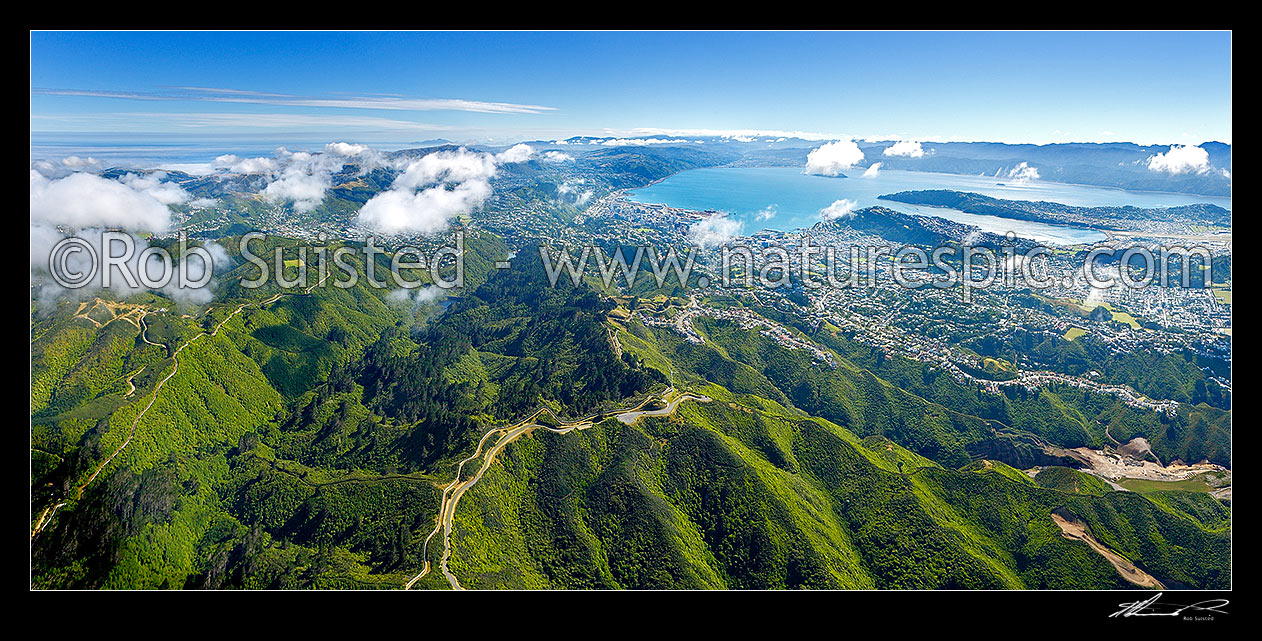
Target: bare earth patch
x,y
1113,466
1077,530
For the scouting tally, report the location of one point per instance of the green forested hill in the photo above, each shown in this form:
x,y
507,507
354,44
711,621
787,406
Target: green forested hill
x,y
305,444
743,493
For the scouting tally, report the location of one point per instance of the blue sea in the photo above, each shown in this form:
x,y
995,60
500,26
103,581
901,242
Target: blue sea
x,y
784,198
174,151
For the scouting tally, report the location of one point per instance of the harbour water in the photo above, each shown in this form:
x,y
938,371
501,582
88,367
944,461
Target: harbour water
x,y
786,198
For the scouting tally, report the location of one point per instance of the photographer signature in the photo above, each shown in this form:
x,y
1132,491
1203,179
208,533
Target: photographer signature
x,y
1146,608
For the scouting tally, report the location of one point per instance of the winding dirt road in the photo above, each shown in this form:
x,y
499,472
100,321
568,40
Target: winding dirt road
x,y
46,516
456,489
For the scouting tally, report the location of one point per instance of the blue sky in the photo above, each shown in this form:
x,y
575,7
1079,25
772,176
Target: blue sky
x,y
1151,88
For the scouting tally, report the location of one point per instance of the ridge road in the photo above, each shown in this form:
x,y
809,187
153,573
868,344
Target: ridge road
x,y
456,489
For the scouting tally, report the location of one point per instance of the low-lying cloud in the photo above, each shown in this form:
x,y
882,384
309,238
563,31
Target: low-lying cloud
x,y
516,153
415,297
431,190
82,200
905,148
843,208
557,156
575,192
167,193
715,230
1181,159
833,158
1023,173
66,166
302,178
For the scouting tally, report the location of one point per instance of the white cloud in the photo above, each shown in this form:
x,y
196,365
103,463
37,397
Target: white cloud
x,y
430,191
766,213
302,186
873,170
235,165
907,148
715,230
557,156
190,168
426,211
833,158
167,193
843,208
642,142
1023,173
44,237
573,189
66,166
347,149
415,296
87,204
515,154
76,162
1181,159
302,178
83,200
446,167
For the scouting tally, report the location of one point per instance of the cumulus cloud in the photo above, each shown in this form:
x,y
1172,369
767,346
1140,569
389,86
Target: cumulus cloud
x,y
766,213
83,200
167,193
715,230
190,168
1023,173
517,153
302,178
906,148
43,238
431,190
1181,159
843,208
557,156
426,211
66,166
873,170
415,297
302,182
348,149
573,191
833,158
456,166
86,205
233,164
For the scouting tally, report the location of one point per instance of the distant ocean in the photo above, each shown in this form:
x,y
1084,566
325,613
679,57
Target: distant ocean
x,y
784,198
155,150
